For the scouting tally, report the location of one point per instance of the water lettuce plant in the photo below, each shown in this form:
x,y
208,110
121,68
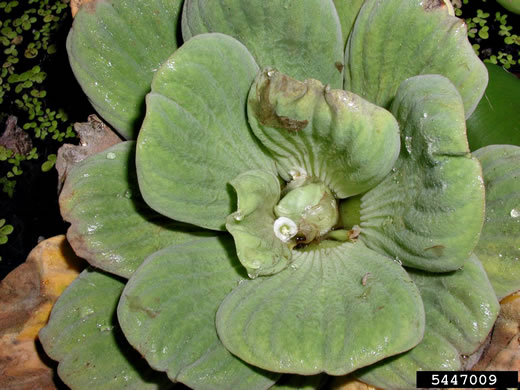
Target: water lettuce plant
x,y
300,201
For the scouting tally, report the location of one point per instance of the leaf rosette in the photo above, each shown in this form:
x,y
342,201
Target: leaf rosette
x,y
301,199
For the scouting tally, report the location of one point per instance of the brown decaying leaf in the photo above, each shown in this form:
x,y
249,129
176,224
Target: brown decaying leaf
x,y
94,136
75,4
14,138
27,295
503,353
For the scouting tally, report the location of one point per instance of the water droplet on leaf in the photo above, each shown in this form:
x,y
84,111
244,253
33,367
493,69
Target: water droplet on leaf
x,y
408,144
104,327
85,311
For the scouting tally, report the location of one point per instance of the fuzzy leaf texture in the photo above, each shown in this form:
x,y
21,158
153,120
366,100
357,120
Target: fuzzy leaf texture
x,y
115,47
277,131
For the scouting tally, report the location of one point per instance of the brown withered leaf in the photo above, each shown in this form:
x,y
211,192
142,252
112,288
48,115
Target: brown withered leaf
x,y
75,4
27,295
503,353
14,138
94,137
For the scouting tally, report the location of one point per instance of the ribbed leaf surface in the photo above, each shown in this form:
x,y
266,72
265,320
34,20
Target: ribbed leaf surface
x,y
300,38
333,310
461,308
84,336
100,213
499,244
111,226
195,137
114,49
393,40
429,211
330,134
167,312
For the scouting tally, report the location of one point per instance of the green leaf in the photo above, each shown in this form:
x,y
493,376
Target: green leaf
x,y
499,245
195,137
461,309
49,164
429,211
399,373
114,49
496,119
299,121
112,227
510,5
257,247
84,336
312,317
6,230
218,369
158,316
347,11
393,40
299,38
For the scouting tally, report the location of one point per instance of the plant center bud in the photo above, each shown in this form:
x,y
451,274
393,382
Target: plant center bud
x,y
309,210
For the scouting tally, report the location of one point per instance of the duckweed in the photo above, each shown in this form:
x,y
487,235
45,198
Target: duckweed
x,y
26,39
28,42
493,31
5,230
